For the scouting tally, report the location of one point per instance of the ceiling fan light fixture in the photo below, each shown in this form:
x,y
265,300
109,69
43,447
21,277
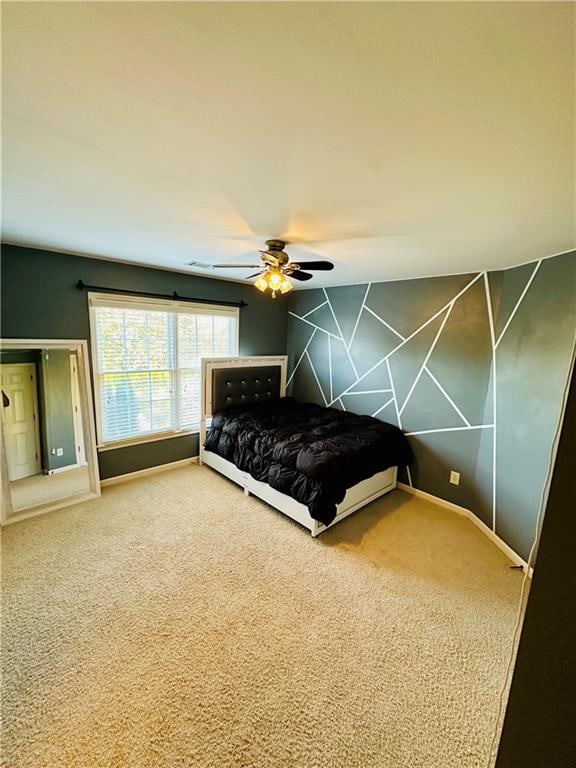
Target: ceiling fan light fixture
x,y
275,278
262,283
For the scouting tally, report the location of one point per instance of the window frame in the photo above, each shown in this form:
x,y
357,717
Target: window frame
x,y
127,301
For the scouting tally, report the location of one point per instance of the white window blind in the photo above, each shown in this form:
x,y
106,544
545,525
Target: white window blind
x,y
147,363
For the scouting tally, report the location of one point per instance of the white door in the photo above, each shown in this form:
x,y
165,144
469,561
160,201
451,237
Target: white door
x,y
20,407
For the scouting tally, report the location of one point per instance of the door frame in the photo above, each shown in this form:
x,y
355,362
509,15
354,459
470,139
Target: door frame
x,y
35,406
80,451
80,348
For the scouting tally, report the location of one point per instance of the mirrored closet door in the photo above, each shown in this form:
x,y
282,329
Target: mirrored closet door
x,y
48,442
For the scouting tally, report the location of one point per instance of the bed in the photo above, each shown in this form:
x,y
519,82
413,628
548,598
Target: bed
x,y
317,465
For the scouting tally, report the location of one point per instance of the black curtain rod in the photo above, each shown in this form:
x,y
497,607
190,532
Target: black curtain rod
x,y
81,285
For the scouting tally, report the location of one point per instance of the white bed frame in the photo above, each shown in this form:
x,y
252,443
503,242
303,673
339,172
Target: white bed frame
x,y
356,497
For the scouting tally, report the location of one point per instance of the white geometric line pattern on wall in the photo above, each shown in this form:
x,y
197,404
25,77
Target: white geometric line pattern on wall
x,y
414,375
368,372
386,404
446,308
313,310
411,336
493,342
426,369
330,368
367,392
316,377
428,356
410,483
340,332
317,327
404,340
300,358
524,292
448,429
358,317
394,394
384,323
447,396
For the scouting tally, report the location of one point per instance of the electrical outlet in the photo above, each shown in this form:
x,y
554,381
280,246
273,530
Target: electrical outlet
x,y
455,478
60,452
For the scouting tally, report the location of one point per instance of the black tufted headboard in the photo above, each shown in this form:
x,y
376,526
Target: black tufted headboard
x,y
253,384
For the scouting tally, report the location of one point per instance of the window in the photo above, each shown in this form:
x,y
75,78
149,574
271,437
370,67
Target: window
x,y
146,358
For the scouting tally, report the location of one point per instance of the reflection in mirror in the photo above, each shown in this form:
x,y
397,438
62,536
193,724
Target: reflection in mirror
x,y
46,456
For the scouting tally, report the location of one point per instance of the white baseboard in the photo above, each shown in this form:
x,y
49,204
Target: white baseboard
x,y
508,551
148,471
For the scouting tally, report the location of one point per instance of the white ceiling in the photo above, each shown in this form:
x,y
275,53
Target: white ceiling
x,y
403,139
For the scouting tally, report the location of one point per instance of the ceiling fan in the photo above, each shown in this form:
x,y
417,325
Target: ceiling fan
x,y
275,269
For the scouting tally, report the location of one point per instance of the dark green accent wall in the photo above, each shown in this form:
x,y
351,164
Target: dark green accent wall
x,y
136,457
56,408
40,300
16,356
420,354
532,366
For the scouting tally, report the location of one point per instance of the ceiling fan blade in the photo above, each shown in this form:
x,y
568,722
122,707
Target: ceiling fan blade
x,y
236,266
298,275
256,274
199,264
324,265
203,265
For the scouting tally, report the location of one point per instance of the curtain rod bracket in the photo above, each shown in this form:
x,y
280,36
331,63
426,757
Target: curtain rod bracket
x,y
81,285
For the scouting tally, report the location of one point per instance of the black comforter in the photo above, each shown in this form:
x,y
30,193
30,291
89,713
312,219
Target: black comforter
x,y
305,451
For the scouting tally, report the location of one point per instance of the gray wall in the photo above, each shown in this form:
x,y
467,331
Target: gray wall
x,y
538,729
410,345
16,356
57,420
40,300
420,354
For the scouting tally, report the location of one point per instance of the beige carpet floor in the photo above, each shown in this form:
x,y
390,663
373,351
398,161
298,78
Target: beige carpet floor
x,y
175,622
41,489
